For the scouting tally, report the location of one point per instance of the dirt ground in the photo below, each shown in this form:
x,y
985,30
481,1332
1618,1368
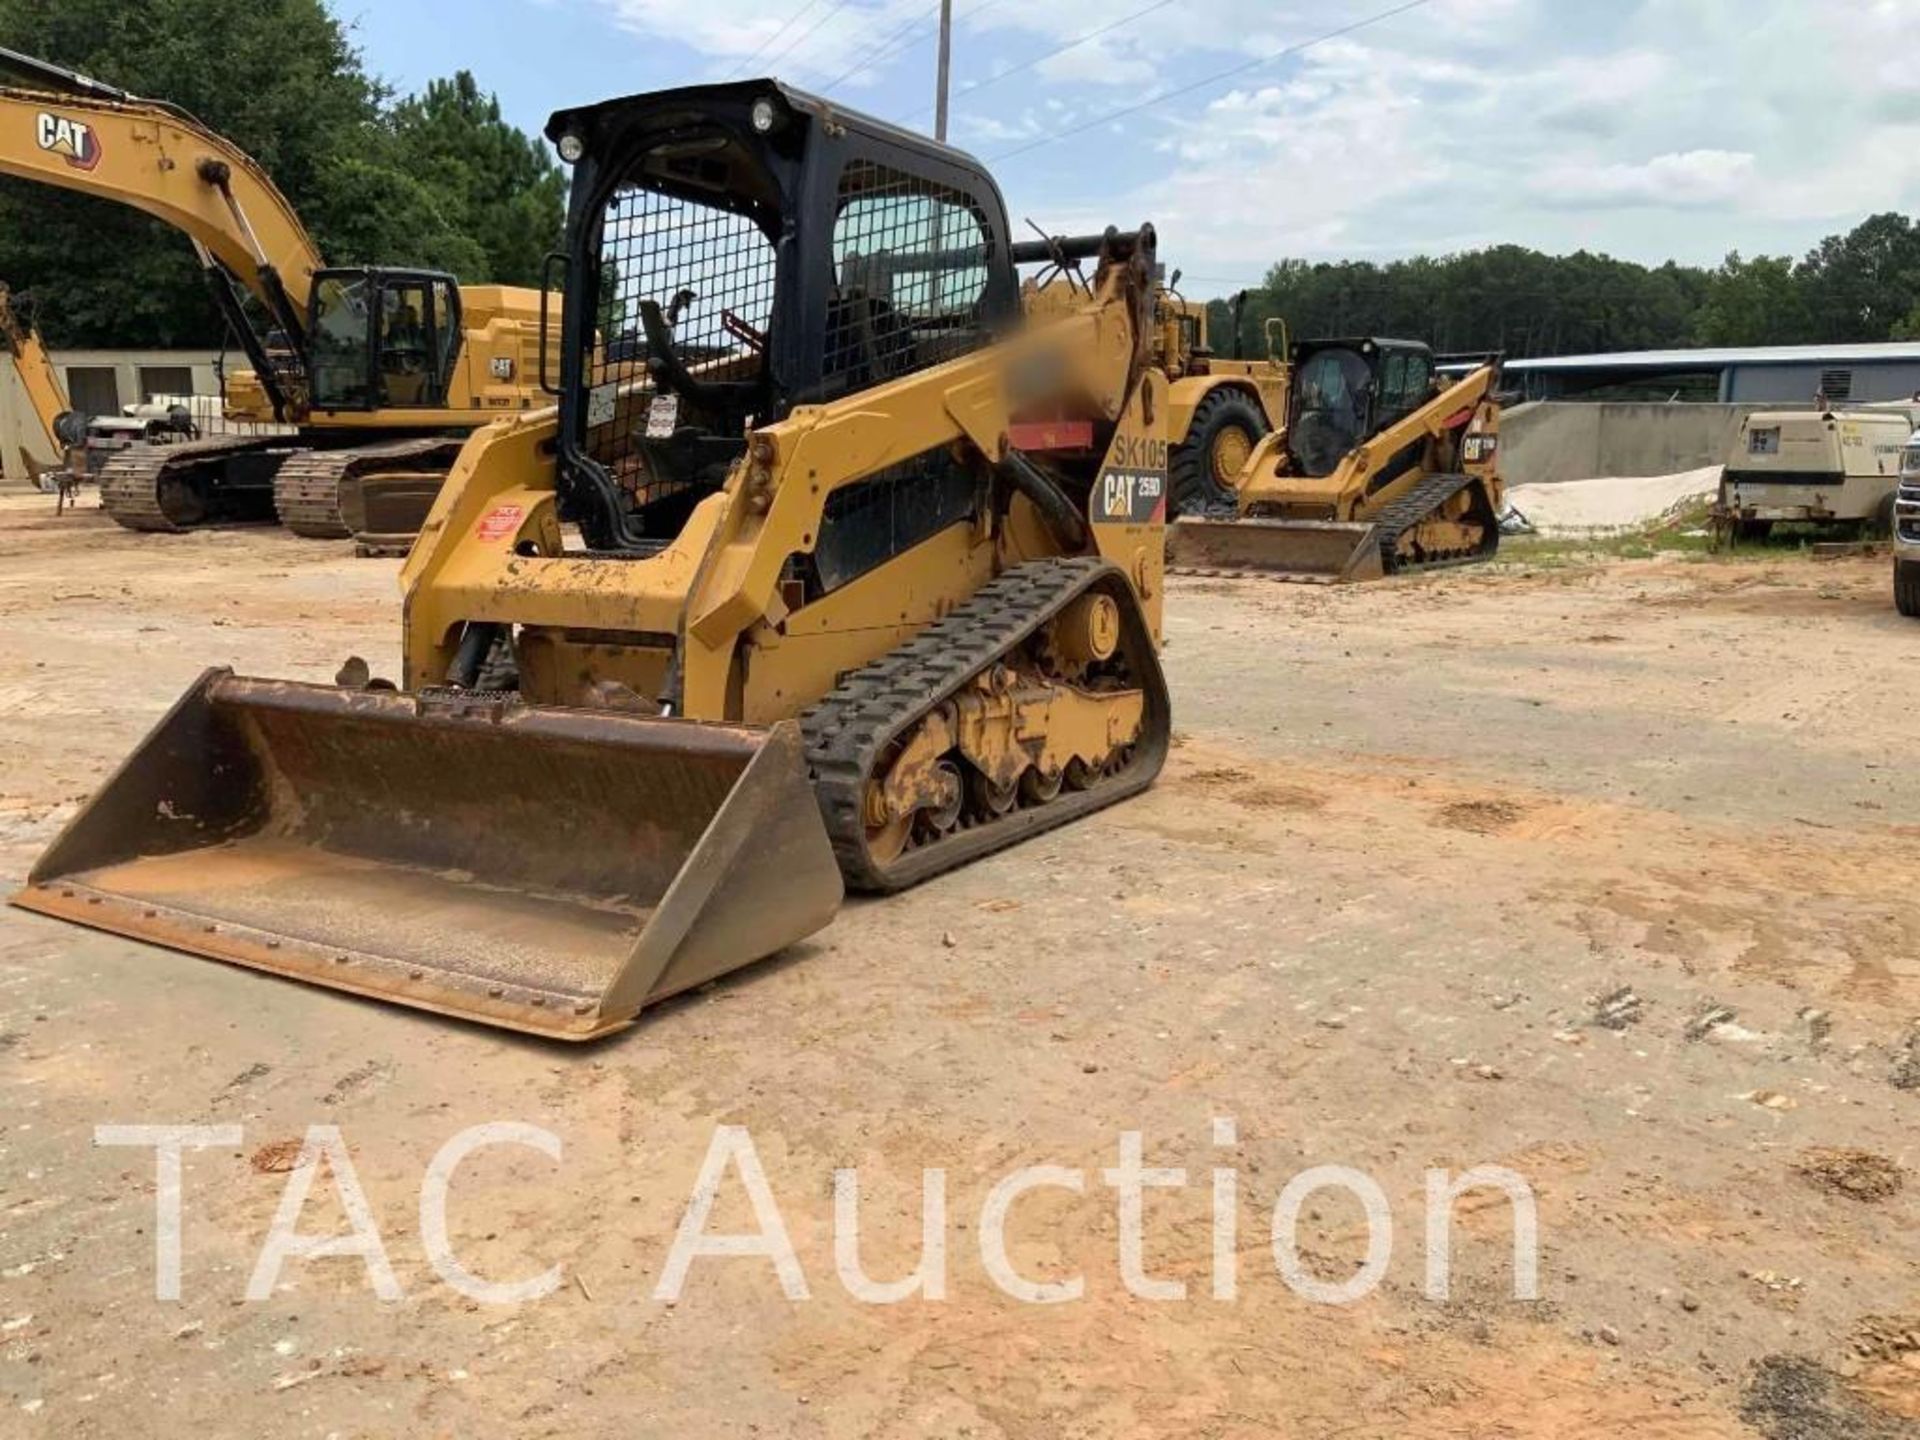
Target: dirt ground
x,y
1599,872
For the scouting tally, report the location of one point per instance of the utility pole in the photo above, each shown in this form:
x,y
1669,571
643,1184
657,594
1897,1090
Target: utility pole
x,y
946,60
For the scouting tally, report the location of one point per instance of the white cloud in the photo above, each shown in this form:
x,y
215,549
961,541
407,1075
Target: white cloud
x,y
1647,128
844,41
1104,61
1682,181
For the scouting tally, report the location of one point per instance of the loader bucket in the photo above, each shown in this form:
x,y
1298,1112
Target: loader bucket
x,y
1316,551
545,869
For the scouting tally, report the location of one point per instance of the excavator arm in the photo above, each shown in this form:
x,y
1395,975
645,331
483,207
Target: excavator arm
x,y
57,128
45,393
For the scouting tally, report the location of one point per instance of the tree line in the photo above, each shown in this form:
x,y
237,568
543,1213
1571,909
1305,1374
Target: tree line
x,y
1860,286
441,180
438,179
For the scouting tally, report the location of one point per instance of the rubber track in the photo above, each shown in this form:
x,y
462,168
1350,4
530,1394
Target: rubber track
x,y
130,480
1413,507
306,490
849,731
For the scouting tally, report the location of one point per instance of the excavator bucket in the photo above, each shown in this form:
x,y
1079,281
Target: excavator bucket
x,y
545,869
1322,552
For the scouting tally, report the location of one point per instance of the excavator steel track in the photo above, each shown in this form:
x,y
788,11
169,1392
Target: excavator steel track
x,y
136,487
307,490
849,732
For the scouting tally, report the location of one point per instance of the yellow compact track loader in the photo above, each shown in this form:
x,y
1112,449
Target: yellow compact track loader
x,y
849,574
1381,469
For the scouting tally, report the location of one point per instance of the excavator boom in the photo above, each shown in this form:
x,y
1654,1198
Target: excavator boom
x,y
61,129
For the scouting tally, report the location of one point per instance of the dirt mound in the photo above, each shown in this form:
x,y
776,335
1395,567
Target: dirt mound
x,y
1214,776
1280,797
1856,1174
277,1158
1480,817
1790,1397
1612,504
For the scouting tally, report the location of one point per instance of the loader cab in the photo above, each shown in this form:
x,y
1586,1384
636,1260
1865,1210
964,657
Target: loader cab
x,y
382,339
736,250
1347,391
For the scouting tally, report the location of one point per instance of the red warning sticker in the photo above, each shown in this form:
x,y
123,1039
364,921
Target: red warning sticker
x,y
499,523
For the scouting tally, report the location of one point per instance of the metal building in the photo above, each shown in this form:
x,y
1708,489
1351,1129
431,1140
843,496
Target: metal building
x,y
99,382
1754,375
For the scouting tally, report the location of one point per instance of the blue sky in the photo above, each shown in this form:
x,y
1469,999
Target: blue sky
x,y
1647,128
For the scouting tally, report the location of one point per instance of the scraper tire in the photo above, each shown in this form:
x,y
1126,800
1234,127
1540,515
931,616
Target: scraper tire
x,y
1225,423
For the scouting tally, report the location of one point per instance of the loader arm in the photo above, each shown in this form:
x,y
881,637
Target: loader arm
x,y
161,161
1358,482
778,499
722,576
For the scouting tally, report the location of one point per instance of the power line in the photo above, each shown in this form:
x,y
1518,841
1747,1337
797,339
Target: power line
x,y
806,34
872,54
1042,58
896,45
761,49
1213,79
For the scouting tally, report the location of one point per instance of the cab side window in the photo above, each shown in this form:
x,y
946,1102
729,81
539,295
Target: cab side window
x,y
1405,380
910,268
338,342
1393,383
446,336
406,349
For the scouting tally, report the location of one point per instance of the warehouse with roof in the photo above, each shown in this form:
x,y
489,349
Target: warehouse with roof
x,y
1749,375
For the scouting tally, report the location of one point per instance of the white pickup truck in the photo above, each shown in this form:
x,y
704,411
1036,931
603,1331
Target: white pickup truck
x,y
1906,531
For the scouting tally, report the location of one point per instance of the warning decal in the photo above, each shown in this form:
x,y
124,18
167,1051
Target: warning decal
x,y
500,523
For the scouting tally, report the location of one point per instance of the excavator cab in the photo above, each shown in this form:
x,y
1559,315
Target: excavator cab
x,y
382,339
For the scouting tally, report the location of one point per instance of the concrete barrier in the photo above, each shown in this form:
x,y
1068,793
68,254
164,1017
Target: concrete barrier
x,y
1550,441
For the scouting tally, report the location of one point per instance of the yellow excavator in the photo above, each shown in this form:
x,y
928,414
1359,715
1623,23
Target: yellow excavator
x,y
64,428
850,574
381,372
1383,468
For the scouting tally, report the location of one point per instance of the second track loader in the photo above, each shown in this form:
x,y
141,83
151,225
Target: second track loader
x,y
1381,469
847,575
